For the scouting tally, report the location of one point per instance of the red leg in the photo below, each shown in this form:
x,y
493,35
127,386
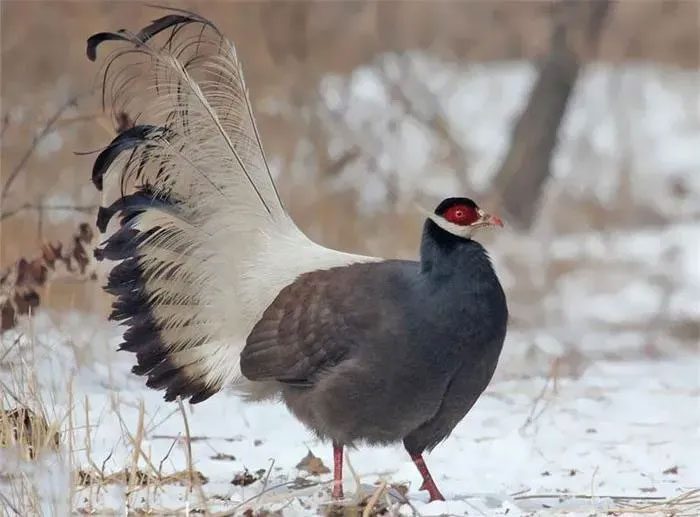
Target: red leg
x,y
337,471
428,483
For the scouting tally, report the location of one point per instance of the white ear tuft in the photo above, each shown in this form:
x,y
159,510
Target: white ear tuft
x,y
465,232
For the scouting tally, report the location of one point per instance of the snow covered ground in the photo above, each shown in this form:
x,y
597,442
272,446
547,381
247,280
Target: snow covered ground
x,y
531,445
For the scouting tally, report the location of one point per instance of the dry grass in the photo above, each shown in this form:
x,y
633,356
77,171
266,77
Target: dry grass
x,y
686,504
25,424
30,433
28,426
35,432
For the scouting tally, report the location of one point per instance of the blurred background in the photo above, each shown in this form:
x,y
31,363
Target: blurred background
x,y
577,122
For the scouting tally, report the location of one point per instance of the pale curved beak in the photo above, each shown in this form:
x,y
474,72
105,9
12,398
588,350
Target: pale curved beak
x,y
486,219
494,220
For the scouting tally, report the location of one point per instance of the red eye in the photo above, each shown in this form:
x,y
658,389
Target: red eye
x,y
462,215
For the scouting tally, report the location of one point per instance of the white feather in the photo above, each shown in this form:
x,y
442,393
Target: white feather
x,y
234,245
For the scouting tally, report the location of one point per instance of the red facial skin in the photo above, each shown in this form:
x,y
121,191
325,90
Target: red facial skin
x,y
463,215
466,215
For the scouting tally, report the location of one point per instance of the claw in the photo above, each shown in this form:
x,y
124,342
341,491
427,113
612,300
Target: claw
x,y
428,483
337,491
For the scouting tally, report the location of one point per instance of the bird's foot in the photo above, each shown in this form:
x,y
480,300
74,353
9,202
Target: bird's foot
x,y
337,493
432,489
428,483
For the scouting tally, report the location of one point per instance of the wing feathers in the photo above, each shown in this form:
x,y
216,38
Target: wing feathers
x,y
128,140
297,336
203,244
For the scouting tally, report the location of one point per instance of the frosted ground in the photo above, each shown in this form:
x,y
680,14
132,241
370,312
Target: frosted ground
x,y
531,445
596,403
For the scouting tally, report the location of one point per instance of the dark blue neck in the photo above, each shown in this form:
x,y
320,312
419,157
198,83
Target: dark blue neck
x,y
443,254
461,286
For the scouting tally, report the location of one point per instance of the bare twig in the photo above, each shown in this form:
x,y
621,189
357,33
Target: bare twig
x,y
231,513
6,389
657,504
5,124
373,500
593,480
551,379
160,465
188,441
167,455
433,118
589,496
104,462
71,102
102,470
267,476
353,473
194,481
88,439
9,504
9,349
137,440
86,209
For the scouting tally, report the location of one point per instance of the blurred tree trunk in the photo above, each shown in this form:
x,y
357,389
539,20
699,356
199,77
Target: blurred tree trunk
x,y
527,166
